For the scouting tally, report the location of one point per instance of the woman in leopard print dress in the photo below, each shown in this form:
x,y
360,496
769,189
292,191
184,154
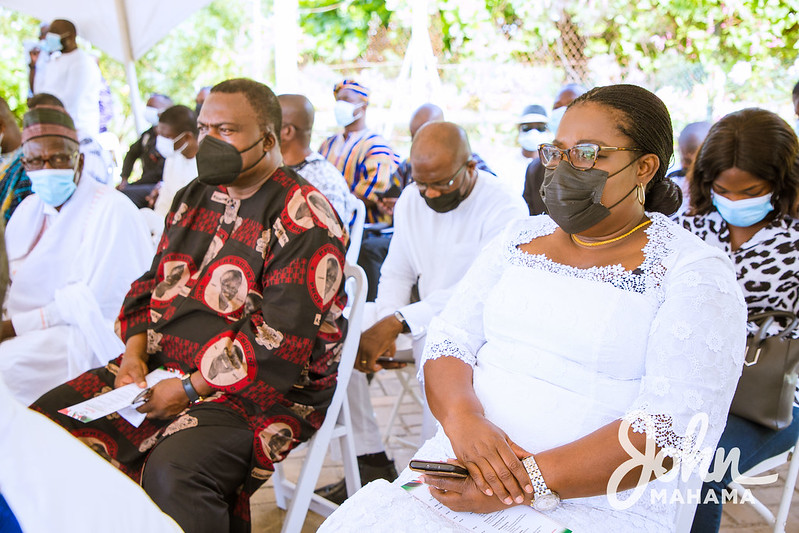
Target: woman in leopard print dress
x,y
744,201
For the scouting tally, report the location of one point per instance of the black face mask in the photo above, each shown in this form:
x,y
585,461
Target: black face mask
x,y
444,202
219,163
573,197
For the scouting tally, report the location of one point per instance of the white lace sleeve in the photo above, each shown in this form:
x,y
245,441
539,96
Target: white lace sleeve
x,y
458,330
694,355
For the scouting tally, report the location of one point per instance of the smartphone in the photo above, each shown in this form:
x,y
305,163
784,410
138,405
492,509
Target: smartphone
x,y
439,468
406,358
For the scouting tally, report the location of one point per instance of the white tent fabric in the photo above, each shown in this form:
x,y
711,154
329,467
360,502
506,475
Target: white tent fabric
x,y
124,29
101,21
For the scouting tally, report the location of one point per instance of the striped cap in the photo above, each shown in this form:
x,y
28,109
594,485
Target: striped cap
x,y
354,86
48,121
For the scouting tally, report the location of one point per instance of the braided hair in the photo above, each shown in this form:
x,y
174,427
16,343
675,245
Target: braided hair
x,y
646,121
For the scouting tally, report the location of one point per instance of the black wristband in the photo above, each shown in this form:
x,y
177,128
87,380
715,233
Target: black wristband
x,y
189,389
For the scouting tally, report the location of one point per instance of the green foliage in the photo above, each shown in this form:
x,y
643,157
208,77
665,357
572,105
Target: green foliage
x,y
13,60
341,27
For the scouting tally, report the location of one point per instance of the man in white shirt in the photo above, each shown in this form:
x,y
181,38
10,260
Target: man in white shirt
x,y
295,146
73,77
74,247
441,223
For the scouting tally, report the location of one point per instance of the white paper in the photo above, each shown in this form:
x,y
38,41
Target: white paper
x,y
118,400
516,519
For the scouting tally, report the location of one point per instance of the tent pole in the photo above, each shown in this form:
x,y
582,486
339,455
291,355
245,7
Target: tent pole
x,y
130,66
286,30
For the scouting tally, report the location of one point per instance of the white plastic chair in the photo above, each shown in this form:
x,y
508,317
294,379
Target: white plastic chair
x,y
787,492
356,232
336,425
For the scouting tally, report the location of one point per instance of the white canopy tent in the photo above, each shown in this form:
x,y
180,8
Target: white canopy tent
x,y
124,29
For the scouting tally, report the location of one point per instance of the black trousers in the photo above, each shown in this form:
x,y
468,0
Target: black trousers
x,y
193,475
374,249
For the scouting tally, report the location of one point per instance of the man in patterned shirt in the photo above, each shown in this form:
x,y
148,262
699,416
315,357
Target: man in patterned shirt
x,y
361,155
14,182
295,145
250,371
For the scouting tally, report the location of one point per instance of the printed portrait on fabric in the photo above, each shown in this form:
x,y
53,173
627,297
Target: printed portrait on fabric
x,y
176,274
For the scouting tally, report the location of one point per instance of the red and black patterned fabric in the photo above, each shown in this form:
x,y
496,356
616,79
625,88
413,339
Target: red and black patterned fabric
x,y
250,293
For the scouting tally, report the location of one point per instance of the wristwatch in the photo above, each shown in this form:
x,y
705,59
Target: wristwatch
x,y
544,499
189,389
405,327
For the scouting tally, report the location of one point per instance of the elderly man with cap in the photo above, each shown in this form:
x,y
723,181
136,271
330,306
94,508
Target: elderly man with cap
x,y
250,269
361,155
74,247
441,222
14,182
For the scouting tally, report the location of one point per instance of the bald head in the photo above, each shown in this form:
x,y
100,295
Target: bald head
x,y
297,111
691,138
426,113
298,117
567,94
440,140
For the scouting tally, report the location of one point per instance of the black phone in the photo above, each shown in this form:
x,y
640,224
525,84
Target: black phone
x,y
439,468
406,358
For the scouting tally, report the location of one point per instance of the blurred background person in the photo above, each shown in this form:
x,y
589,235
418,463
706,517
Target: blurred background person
x,y
144,149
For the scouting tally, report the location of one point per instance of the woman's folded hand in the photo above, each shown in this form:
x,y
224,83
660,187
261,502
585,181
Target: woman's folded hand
x,y
490,456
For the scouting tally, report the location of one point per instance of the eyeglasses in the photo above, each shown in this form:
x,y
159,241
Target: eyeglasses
x,y
579,156
55,160
524,128
442,185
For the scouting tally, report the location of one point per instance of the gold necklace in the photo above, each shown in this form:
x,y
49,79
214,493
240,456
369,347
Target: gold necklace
x,y
614,239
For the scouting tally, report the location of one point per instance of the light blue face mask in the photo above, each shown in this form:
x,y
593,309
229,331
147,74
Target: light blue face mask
x,y
53,185
743,213
53,42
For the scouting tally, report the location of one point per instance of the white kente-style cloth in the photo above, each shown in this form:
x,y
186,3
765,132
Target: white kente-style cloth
x,y
70,271
73,489
559,352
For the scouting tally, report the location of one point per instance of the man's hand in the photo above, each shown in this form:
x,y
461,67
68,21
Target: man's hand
x,y
151,198
133,367
132,370
167,399
122,184
461,494
377,341
386,205
34,53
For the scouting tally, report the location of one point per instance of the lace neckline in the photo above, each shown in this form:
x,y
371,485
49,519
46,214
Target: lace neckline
x,y
644,279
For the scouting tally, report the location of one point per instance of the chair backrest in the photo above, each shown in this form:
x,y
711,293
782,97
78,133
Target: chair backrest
x,y
356,299
356,232
336,425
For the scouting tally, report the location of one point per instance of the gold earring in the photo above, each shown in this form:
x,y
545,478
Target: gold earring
x,y
641,194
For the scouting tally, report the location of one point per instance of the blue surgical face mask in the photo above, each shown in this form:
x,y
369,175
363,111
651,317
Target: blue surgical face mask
x,y
54,43
743,213
53,185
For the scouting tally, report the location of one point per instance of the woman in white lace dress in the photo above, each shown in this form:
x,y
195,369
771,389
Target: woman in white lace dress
x,y
573,334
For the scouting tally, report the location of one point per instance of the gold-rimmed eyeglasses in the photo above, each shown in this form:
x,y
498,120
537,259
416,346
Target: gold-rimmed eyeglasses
x,y
580,156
